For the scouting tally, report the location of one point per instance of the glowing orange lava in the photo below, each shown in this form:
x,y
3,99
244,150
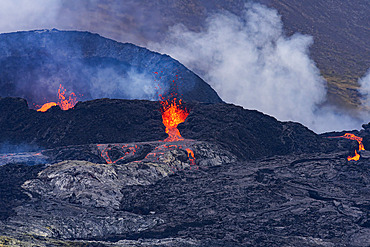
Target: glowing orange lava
x,y
172,115
355,138
63,103
47,106
355,158
191,156
360,145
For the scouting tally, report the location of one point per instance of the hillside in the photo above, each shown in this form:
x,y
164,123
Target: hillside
x,y
34,64
340,29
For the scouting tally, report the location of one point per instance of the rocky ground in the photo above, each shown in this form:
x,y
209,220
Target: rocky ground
x,y
241,178
293,200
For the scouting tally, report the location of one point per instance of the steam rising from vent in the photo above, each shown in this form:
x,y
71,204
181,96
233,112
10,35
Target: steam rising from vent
x,y
365,90
249,61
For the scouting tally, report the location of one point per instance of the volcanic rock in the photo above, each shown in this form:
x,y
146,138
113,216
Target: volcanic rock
x,y
106,179
299,200
99,185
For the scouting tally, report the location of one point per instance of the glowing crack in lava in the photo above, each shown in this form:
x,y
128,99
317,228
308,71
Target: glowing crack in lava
x,y
361,147
134,153
63,103
172,115
127,150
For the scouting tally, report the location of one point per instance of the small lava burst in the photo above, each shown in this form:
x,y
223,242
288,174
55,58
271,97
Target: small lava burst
x,y
361,147
172,115
64,102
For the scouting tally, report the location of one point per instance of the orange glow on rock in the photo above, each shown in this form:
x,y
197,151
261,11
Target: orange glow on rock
x,y
172,115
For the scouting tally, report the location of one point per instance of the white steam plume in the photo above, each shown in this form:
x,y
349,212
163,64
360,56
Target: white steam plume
x,y
20,15
365,89
249,61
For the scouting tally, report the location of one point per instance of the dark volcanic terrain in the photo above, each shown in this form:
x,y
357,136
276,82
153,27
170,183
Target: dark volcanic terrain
x,y
294,200
245,133
98,175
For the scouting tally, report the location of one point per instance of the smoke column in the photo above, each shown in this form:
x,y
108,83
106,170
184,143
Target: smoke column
x,y
250,62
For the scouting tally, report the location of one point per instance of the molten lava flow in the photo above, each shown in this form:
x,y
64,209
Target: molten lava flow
x,y
355,158
172,115
355,138
360,145
126,152
63,103
47,106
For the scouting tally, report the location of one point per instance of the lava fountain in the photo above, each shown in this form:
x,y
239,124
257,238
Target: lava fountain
x,y
172,115
64,102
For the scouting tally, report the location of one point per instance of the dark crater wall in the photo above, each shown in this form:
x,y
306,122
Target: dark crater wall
x,y
245,133
34,63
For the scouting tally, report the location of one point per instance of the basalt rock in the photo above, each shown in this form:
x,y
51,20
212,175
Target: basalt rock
x,y
81,200
292,200
98,185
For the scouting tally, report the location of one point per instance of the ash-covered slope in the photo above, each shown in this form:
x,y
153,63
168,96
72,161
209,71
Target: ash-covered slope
x,y
34,63
245,133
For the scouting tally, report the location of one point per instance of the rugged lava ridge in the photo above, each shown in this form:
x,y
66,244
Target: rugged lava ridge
x,y
245,133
